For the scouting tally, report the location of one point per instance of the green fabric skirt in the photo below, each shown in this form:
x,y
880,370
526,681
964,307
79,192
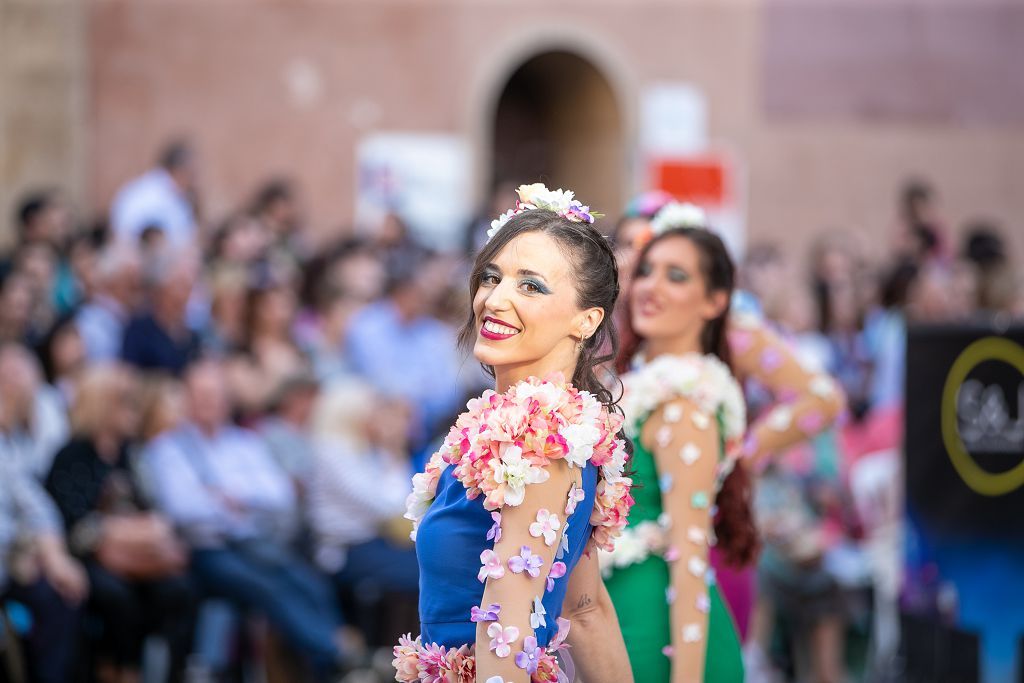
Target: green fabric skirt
x,y
638,592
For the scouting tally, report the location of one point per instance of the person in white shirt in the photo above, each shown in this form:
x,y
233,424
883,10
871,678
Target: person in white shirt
x,y
160,198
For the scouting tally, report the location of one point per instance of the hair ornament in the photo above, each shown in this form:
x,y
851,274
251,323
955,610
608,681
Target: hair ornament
x,y
673,216
538,196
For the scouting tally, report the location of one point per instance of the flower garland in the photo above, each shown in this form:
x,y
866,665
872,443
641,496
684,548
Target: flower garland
x,y
431,663
538,196
704,379
503,442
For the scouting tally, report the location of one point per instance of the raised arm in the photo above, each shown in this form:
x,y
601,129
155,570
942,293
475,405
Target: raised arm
x,y
516,571
807,401
598,650
685,443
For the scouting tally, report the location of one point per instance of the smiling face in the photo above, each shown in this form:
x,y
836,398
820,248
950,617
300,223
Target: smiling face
x,y
670,299
525,311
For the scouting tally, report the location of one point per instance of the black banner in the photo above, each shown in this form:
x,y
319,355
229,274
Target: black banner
x,y
965,429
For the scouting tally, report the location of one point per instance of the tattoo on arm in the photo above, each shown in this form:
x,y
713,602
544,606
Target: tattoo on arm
x,y
583,601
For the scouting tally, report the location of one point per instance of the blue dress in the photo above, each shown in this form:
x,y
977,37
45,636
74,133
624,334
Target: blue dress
x,y
451,536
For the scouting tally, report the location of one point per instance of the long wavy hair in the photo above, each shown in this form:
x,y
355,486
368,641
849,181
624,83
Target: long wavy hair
x,y
734,522
597,286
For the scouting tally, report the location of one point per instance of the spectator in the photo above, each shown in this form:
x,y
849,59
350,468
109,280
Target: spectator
x,y
160,338
160,198
999,285
62,355
268,355
239,241
37,261
43,217
104,316
35,567
324,335
36,422
15,308
276,208
357,496
225,328
400,348
922,236
134,561
286,430
222,488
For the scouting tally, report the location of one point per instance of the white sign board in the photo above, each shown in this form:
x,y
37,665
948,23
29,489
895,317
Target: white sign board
x,y
673,119
422,177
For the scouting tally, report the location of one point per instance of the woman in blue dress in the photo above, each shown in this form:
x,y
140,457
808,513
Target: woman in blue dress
x,y
530,478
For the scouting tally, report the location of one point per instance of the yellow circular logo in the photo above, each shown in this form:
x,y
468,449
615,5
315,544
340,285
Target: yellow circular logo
x,y
979,480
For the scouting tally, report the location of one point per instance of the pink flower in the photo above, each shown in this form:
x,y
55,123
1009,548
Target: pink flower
x,y
407,659
558,642
557,572
525,561
502,638
491,566
576,496
547,525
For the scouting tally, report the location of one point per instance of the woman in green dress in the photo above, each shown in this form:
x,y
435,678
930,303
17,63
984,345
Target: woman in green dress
x,y
685,414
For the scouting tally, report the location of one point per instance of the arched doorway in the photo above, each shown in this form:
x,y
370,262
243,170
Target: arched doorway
x,y
557,120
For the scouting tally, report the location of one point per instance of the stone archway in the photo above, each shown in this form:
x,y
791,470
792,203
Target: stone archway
x,y
557,120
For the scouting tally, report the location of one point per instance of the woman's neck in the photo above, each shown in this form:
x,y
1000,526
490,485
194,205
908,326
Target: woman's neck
x,y
507,375
107,445
675,346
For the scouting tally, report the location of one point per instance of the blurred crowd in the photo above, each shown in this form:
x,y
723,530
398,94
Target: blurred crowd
x,y
209,423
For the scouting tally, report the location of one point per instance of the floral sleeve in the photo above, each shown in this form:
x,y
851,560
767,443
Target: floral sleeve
x,y
518,571
808,401
685,443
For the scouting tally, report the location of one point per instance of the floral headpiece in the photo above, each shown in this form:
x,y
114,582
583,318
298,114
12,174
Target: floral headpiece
x,y
538,196
672,216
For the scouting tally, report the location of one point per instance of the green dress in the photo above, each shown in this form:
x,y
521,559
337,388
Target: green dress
x,y
638,592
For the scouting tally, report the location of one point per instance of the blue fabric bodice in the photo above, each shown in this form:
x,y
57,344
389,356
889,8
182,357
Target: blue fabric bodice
x,y
449,541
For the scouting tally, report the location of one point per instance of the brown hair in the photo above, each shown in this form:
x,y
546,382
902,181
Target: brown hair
x,y
597,286
734,521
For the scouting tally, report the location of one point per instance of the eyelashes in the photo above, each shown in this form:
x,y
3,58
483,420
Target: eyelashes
x,y
492,279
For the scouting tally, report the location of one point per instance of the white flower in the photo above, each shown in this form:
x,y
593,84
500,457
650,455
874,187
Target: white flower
x,y
780,418
499,223
581,439
691,633
679,215
515,472
822,386
547,525
616,465
690,453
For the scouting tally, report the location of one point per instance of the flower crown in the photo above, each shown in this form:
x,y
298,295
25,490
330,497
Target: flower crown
x,y
672,216
538,196
679,215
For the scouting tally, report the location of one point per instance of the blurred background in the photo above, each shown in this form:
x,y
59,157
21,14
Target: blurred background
x,y
234,254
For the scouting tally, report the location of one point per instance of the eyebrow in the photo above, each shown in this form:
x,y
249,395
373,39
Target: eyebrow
x,y
522,271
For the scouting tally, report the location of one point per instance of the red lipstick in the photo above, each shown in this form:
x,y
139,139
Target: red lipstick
x,y
493,335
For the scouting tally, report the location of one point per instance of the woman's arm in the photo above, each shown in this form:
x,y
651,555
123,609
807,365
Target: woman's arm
x,y
598,651
516,573
807,401
685,443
